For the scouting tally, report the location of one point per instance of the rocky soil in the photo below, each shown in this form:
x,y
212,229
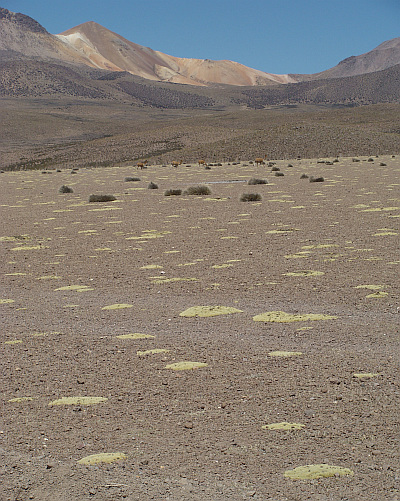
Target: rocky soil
x,y
94,303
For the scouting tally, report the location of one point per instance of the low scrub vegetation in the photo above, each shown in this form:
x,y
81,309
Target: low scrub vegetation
x,y
198,190
250,197
102,198
170,193
130,179
254,180
65,189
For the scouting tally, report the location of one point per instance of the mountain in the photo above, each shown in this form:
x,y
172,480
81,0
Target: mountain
x,y
108,50
21,37
92,45
386,55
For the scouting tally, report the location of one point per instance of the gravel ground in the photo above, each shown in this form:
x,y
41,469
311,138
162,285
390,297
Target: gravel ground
x,y
76,276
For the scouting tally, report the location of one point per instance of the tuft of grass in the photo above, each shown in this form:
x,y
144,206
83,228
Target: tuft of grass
x,y
65,189
129,179
102,198
152,186
319,179
198,190
254,180
170,193
250,197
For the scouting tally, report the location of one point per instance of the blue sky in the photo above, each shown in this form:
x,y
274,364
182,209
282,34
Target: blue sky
x,y
277,36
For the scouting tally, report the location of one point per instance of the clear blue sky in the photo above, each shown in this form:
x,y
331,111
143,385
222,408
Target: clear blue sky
x,y
277,36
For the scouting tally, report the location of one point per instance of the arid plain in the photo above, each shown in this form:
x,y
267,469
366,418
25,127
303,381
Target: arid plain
x,y
94,302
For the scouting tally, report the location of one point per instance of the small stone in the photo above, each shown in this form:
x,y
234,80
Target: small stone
x,y
188,425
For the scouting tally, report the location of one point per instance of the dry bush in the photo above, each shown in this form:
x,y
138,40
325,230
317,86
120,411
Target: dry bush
x,y
129,179
319,179
102,198
250,197
170,193
152,186
198,190
255,180
304,176
65,189
279,174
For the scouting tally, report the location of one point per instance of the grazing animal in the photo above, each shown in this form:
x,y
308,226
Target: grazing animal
x,y
140,165
175,163
202,162
259,161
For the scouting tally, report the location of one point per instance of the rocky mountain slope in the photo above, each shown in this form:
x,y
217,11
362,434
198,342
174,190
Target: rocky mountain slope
x,y
386,55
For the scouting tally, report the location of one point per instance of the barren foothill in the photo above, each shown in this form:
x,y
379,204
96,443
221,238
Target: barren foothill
x,y
200,347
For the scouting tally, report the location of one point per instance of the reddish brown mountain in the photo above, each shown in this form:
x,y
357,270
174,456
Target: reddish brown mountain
x,y
108,50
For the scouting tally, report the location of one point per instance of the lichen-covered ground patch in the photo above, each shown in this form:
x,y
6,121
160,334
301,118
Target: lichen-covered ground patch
x,y
282,317
104,457
280,353
117,306
154,351
185,366
78,401
284,426
314,471
208,311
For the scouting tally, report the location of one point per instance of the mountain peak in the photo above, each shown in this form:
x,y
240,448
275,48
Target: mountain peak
x,y
21,20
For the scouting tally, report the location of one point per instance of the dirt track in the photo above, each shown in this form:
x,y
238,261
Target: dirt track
x,y
328,248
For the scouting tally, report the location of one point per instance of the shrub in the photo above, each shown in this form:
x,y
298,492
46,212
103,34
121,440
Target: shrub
x,y
355,160
65,189
102,198
128,179
169,193
275,169
254,180
304,176
278,174
319,179
250,197
198,190
152,186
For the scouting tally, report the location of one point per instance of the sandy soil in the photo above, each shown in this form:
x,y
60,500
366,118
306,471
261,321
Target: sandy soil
x,y
329,249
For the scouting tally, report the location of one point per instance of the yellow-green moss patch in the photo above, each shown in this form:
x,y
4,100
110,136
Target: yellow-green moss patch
x,y
135,335
366,375
157,280
370,287
29,247
285,353
72,288
117,306
378,294
283,426
21,399
208,311
185,366
78,401
151,352
105,457
313,471
305,273
282,317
